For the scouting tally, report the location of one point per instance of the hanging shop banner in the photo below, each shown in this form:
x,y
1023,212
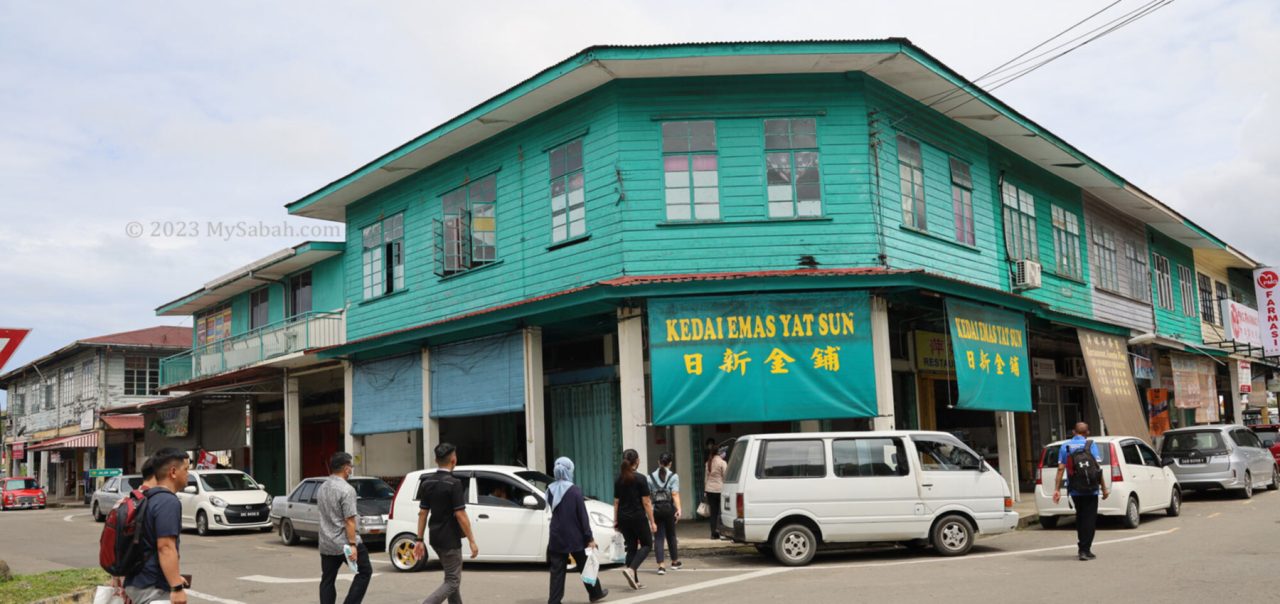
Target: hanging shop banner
x,y
782,357
19,451
172,422
1244,376
1194,382
1266,282
1241,324
931,353
1106,358
1143,367
1158,411
990,349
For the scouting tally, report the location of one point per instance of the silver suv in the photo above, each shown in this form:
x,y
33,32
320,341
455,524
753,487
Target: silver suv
x,y
1220,457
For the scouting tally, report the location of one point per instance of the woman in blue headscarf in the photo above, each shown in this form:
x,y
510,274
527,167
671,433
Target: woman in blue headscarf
x,y
570,532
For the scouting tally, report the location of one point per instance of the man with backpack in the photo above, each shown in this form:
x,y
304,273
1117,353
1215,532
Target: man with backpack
x,y
1080,461
157,576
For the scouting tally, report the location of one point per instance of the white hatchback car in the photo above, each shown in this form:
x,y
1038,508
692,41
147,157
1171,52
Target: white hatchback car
x,y
1138,480
509,516
222,500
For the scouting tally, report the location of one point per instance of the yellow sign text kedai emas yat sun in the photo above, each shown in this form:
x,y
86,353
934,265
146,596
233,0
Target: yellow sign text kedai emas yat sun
x,y
979,331
760,327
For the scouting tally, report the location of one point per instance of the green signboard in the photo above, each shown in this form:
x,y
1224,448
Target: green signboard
x,y
990,348
104,472
780,357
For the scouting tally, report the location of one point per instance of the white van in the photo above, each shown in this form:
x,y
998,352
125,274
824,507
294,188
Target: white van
x,y
790,493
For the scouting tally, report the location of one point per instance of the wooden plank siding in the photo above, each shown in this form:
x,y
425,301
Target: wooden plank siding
x,y
745,238
1117,306
525,267
1173,322
1217,273
892,113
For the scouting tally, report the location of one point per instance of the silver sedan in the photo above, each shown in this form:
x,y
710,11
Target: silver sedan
x,y
110,493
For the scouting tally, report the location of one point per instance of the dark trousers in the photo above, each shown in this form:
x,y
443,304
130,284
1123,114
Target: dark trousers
x,y
451,590
666,521
559,563
635,532
329,567
1086,521
713,504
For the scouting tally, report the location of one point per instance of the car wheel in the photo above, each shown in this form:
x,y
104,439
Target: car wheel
x,y
97,515
1132,513
202,524
1049,522
794,545
287,534
402,555
952,536
1275,479
1175,504
1247,491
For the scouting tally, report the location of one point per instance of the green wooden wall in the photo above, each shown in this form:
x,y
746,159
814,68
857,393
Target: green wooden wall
x,y
1172,322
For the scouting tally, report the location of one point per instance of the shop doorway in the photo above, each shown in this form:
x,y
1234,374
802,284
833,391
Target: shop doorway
x,y
268,461
586,426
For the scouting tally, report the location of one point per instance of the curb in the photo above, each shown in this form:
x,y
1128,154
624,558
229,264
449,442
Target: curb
x,y
83,596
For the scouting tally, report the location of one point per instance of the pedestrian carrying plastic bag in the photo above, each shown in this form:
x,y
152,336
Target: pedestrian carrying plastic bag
x,y
591,567
108,594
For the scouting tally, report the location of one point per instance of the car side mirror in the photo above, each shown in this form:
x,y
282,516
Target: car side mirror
x,y
531,502
1166,462
262,487
189,490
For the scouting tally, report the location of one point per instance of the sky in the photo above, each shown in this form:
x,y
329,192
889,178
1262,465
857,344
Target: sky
x,y
181,115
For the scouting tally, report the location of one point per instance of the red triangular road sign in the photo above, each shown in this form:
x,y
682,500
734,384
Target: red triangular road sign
x,y
9,340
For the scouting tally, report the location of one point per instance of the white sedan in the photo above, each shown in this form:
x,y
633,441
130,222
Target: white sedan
x,y
223,500
509,516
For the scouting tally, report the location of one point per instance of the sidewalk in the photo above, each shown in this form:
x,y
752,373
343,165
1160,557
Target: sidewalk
x,y
695,535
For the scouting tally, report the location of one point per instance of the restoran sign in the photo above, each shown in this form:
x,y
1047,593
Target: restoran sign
x,y
1242,323
1265,282
782,357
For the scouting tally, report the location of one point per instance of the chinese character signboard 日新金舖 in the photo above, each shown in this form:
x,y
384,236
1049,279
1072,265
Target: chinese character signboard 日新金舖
x,y
781,357
990,349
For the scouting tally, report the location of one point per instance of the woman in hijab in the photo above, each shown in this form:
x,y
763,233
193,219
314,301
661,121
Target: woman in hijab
x,y
570,532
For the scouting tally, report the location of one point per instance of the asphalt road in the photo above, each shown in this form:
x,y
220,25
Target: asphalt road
x,y
1220,549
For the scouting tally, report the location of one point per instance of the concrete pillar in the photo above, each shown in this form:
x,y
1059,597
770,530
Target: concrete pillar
x,y
635,421
688,465
1007,449
430,427
535,426
44,471
1237,399
292,432
882,364
350,444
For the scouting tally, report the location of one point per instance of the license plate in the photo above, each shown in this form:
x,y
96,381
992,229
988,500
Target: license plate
x,y
1192,461
252,514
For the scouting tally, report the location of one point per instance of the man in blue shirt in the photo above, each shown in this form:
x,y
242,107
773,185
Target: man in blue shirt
x,y
160,579
1086,503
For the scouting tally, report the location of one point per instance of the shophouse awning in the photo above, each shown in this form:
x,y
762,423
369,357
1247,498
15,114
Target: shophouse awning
x,y
86,440
131,421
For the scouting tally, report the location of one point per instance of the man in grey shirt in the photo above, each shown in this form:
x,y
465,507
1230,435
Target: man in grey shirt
x,y
336,500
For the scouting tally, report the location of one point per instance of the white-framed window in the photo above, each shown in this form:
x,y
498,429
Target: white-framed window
x,y
259,307
691,170
962,201
568,192
1187,282
1106,267
1066,242
911,183
1020,223
20,401
67,392
794,182
1164,282
141,376
50,395
1140,276
1208,310
466,235
88,383
1220,289
383,257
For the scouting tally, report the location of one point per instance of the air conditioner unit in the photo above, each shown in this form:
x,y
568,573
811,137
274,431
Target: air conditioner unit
x,y
1026,274
1076,368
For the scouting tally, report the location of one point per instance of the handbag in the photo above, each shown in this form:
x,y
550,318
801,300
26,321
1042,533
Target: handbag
x,y
704,510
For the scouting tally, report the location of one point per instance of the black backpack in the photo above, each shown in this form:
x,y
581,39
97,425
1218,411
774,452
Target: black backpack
x,y
1084,474
661,495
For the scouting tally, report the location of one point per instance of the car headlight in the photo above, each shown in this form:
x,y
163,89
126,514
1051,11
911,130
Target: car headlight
x,y
217,502
370,520
601,520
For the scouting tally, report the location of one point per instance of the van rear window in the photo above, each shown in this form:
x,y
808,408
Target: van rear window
x,y
793,459
736,460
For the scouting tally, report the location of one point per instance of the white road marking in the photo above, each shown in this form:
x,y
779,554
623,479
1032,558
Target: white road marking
x,y
1249,502
1215,514
68,517
774,571
204,596
266,579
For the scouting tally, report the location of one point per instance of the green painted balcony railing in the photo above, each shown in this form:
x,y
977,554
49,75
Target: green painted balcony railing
x,y
295,334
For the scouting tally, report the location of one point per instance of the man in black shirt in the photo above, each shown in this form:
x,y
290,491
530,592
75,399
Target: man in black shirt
x,y
443,499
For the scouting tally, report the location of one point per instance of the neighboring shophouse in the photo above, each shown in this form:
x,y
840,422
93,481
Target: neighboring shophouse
x,y
56,427
650,247
251,391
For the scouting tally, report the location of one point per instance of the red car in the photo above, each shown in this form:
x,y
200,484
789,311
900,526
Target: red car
x,y
21,492
1269,434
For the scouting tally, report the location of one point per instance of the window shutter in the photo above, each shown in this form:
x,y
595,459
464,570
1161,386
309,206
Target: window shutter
x,y
437,239
465,244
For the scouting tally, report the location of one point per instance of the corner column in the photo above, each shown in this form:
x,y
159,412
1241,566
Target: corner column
x,y
350,443
882,364
292,432
687,466
430,426
1007,450
635,424
535,428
